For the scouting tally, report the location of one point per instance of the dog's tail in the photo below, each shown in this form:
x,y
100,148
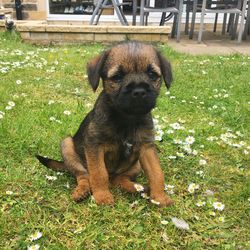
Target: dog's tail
x,y
53,164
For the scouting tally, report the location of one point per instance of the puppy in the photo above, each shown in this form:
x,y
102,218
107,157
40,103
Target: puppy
x,y
115,141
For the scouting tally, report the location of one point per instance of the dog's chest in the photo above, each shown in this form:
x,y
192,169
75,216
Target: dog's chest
x,y
121,156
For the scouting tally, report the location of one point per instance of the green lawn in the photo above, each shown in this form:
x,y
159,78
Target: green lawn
x,y
208,104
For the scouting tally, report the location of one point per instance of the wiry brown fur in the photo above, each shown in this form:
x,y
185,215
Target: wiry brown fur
x,y
116,139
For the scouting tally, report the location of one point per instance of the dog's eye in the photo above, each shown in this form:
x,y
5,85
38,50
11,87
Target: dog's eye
x,y
152,74
117,77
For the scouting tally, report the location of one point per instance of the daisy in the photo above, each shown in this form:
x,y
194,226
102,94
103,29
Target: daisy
x,y
192,187
175,125
218,206
66,112
177,141
180,154
51,102
190,140
169,189
172,157
9,192
18,82
187,149
50,178
37,235
139,187
34,247
202,162
145,196
212,213
221,219
200,203
170,131
164,222
12,104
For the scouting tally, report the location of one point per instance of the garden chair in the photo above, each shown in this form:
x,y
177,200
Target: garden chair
x,y
100,5
177,9
225,8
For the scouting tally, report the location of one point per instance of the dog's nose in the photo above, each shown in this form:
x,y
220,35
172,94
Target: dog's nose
x,y
139,93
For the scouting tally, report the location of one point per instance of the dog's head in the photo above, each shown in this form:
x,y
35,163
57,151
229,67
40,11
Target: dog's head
x,y
132,74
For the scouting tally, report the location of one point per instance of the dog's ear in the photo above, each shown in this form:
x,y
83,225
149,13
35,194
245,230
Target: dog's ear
x,y
166,70
94,69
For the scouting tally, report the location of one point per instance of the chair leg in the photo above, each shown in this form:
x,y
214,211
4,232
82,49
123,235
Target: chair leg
x,y
173,32
223,32
187,17
142,13
134,10
96,10
215,22
119,12
178,32
202,20
243,11
191,33
235,26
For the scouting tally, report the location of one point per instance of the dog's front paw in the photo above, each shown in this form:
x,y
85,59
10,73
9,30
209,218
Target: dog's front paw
x,y
80,193
162,200
103,198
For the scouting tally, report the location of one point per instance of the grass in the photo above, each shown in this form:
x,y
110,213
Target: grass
x,y
210,99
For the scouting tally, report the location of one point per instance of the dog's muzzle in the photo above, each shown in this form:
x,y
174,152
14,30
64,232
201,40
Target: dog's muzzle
x,y
137,98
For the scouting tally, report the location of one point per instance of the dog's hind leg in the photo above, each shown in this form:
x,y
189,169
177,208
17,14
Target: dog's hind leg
x,y
126,179
75,165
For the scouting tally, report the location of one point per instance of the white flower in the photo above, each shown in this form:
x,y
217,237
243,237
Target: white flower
x,y
221,219
200,173
179,223
211,123
167,93
139,187
212,213
50,178
209,192
200,203
218,206
202,162
34,247
175,126
52,118
187,148
169,189
192,131
192,187
51,102
245,152
181,155
177,141
12,104
190,140
145,196
66,112
172,157
170,131
9,192
37,235
18,82
195,152
1,116
164,222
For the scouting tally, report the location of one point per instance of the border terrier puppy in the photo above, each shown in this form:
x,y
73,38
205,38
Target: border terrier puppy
x,y
115,141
